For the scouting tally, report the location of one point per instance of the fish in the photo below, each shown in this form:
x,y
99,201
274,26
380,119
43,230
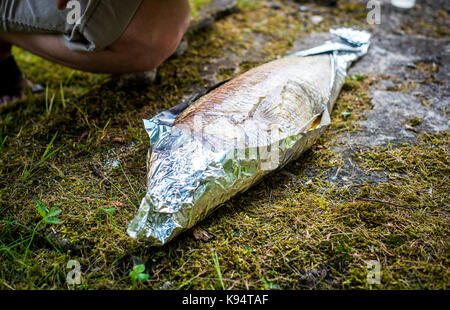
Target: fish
x,y
219,145
249,106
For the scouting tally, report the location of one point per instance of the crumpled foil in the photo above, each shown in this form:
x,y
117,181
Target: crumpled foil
x,y
188,178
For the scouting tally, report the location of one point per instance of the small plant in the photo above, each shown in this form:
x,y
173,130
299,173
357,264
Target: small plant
x,y
270,286
48,215
138,274
358,77
346,114
109,211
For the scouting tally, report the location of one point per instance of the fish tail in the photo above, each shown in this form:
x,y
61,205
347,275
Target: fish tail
x,y
349,45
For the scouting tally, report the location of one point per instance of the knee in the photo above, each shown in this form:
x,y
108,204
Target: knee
x,y
167,39
155,32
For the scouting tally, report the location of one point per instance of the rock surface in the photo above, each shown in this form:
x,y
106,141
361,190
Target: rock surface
x,y
415,84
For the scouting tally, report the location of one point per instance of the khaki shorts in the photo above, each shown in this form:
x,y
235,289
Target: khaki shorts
x,y
100,22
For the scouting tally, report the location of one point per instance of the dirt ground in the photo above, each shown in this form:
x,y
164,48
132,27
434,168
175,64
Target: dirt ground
x,y
374,188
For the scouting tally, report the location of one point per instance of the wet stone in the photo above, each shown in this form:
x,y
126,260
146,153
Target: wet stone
x,y
212,12
274,5
386,85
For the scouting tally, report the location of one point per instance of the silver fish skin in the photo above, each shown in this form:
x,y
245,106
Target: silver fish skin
x,y
232,137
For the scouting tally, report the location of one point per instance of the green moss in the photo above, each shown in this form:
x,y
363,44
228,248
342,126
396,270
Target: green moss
x,y
351,6
248,4
294,230
197,5
351,84
434,26
225,74
416,121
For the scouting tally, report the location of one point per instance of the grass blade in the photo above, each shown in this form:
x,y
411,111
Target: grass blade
x,y
217,266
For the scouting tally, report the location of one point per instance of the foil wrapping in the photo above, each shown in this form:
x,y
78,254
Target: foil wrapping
x,y
189,176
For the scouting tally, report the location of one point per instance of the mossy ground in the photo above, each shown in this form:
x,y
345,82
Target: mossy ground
x,y
294,230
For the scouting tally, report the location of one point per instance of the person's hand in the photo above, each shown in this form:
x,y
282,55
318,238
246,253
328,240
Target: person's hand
x,y
62,4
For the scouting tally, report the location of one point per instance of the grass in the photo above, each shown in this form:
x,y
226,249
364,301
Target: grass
x,y
295,230
32,168
217,266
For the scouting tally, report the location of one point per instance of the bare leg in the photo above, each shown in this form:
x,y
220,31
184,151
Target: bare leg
x,y
151,37
5,50
12,84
